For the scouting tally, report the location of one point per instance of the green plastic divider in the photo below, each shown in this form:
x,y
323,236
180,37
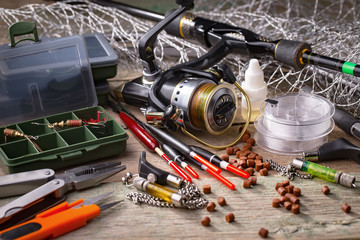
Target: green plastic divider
x,y
61,147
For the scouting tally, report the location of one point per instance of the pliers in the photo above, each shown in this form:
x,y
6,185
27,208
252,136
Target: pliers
x,y
51,190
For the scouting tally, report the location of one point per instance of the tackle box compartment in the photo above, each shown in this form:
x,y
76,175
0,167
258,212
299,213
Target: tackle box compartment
x,y
61,147
102,57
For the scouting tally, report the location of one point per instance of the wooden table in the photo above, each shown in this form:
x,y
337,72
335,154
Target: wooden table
x,y
321,216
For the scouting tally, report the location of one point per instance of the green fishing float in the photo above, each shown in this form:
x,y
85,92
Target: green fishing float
x,y
323,172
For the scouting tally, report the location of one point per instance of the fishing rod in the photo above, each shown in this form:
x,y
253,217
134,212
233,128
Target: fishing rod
x,y
225,39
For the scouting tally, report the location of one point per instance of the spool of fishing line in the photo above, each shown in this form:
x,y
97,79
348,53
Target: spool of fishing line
x,y
293,123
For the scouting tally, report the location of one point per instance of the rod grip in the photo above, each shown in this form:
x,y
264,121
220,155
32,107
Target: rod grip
x,y
290,52
175,27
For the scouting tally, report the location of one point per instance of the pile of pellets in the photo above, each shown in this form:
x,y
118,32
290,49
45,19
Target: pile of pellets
x,y
245,158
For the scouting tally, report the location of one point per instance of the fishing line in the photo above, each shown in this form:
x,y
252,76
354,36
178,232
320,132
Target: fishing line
x,y
294,123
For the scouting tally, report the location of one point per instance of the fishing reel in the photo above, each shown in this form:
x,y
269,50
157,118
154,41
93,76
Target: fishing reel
x,y
195,95
190,98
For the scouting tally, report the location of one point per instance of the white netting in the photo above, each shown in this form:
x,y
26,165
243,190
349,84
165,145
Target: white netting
x,y
330,27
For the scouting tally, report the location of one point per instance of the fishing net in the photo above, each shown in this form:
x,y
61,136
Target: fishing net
x,y
330,27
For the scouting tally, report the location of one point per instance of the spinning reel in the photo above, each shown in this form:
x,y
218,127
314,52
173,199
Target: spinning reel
x,y
194,95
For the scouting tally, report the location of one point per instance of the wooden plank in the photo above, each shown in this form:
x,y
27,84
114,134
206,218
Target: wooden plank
x,y
321,216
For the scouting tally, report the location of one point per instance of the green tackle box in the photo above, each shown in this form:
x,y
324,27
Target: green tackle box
x,y
102,57
61,147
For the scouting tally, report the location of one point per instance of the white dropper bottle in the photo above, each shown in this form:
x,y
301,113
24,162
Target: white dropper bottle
x,y
255,87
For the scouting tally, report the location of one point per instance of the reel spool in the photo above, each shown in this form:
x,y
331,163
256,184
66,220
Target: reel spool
x,y
194,102
294,123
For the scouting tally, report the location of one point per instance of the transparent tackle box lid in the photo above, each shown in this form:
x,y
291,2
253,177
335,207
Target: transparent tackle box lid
x,y
43,77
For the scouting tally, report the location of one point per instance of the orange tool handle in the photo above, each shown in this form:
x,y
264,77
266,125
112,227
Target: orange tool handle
x,y
53,223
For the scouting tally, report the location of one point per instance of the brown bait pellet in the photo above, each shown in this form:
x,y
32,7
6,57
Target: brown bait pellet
x,y
290,188
205,221
229,151
240,154
285,183
259,157
250,163
252,155
247,183
243,163
232,160
283,199
245,137
251,141
253,180
263,232
230,217
276,202
225,157
258,161
243,158
297,191
346,208
221,201
236,164
258,166
277,186
246,147
287,205
236,149
292,198
295,209
266,165
207,189
263,172
250,171
211,207
247,152
282,191
325,190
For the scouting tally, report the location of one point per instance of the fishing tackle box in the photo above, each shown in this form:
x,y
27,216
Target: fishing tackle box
x,y
51,75
61,147
48,76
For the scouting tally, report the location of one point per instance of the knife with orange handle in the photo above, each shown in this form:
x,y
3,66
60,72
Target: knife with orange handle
x,y
58,220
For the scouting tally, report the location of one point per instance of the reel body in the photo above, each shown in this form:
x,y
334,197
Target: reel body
x,y
197,100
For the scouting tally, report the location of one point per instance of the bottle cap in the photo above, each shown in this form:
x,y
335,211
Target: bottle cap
x,y
254,76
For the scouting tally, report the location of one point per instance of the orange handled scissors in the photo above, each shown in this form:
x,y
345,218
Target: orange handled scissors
x,y
58,220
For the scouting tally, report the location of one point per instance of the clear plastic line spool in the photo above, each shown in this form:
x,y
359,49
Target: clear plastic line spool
x,y
294,123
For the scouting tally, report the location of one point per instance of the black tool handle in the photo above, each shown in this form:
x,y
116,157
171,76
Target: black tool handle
x,y
347,122
145,168
339,149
